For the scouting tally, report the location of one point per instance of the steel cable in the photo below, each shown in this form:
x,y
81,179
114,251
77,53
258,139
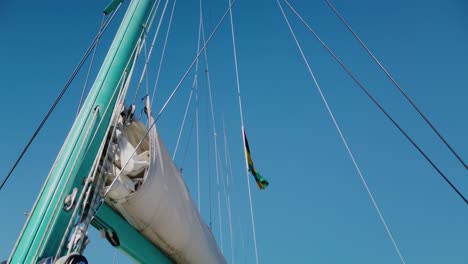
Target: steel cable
x,y
397,85
378,104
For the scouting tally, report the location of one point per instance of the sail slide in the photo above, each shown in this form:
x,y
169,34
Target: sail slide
x,y
148,190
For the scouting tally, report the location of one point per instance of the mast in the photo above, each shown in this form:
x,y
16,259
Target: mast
x,y
47,222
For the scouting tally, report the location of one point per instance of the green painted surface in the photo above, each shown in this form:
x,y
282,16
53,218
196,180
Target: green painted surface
x,y
131,242
112,6
46,225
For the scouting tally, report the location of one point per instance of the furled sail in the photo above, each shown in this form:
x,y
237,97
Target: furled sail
x,y
147,189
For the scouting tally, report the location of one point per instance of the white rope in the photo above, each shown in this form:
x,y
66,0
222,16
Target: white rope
x,y
371,196
115,256
183,123
242,239
121,101
208,79
194,85
96,196
123,91
228,159
198,153
242,131
227,201
219,213
163,51
171,96
85,190
80,198
145,72
174,91
195,82
230,229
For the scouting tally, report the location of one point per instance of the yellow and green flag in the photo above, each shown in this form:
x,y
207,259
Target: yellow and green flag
x,y
261,182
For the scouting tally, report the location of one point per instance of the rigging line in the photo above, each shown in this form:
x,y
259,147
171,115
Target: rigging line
x,y
227,200
89,69
74,162
169,99
200,26
95,166
230,228
146,75
242,131
153,42
217,169
219,207
228,159
115,255
228,163
208,79
92,139
195,80
146,80
242,240
150,20
371,196
379,105
228,191
120,97
397,85
124,82
59,97
225,152
209,180
78,203
144,34
163,51
187,145
193,62
198,152
183,124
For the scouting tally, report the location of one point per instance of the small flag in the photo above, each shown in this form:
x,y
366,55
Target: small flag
x,y
261,182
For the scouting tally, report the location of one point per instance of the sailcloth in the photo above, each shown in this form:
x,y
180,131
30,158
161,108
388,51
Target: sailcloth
x,y
159,204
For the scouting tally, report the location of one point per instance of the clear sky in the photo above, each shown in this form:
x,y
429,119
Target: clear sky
x,y
316,209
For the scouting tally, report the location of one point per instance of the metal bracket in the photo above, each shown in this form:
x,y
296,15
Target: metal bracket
x,y
69,201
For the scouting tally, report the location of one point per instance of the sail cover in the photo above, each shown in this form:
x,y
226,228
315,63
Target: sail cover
x,y
151,195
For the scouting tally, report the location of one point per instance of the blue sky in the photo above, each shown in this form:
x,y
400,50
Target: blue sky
x,y
316,209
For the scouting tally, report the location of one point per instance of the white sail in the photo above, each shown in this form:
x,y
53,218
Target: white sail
x,y
152,196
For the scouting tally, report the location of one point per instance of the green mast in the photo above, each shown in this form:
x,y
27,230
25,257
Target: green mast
x,y
46,225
